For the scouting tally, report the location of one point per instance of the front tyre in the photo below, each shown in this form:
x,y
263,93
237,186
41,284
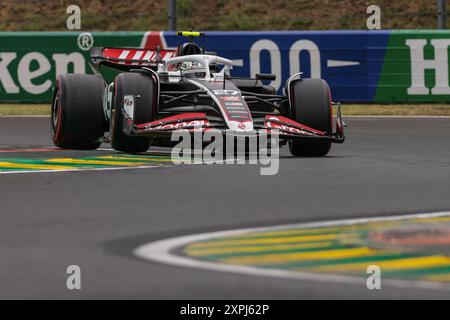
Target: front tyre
x,y
77,118
142,86
311,106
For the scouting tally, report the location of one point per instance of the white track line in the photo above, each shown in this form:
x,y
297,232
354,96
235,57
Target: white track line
x,y
161,252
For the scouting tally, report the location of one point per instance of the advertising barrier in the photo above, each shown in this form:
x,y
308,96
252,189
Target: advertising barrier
x,y
360,66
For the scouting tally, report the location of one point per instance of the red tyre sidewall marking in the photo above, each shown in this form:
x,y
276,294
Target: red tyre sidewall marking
x,y
57,133
155,99
331,111
113,109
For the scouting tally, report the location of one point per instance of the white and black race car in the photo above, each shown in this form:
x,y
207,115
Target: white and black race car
x,y
154,92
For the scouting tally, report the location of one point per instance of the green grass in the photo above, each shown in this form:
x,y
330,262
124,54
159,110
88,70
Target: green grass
x,y
50,15
396,110
347,110
24,109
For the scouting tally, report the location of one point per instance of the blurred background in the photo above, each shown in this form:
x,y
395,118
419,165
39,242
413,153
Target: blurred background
x,y
225,15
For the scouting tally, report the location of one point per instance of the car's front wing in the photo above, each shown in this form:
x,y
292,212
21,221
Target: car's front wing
x,y
284,127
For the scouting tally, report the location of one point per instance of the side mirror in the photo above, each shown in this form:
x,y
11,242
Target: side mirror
x,y
265,76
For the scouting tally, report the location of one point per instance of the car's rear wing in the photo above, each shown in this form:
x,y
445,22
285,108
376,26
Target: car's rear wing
x,y
129,58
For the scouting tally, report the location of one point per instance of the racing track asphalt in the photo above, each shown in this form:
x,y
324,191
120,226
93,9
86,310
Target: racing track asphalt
x,y
95,219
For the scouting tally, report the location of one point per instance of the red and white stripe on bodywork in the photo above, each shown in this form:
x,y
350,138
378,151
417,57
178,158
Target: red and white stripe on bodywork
x,y
144,56
290,126
182,121
199,121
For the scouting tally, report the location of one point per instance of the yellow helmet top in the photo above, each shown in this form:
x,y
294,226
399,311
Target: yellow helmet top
x,y
190,33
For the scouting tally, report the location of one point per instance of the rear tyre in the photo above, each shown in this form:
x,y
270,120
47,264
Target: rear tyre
x,y
311,106
77,118
143,88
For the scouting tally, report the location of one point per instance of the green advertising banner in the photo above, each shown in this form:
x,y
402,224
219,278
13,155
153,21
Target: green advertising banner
x,y
415,68
30,62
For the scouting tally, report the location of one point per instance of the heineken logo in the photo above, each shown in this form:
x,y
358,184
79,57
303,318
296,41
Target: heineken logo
x,y
34,72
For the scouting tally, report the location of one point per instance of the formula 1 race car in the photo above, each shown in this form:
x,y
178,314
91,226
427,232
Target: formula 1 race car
x,y
155,92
